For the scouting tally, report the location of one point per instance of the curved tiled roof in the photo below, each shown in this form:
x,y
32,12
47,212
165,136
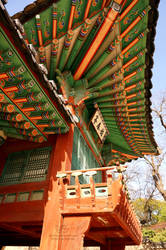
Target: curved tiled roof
x,y
152,23
19,73
76,43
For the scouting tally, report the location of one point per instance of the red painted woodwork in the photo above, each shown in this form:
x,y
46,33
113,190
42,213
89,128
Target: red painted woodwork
x,y
33,211
118,247
61,160
90,218
18,229
111,214
22,212
15,145
24,187
73,231
107,246
112,245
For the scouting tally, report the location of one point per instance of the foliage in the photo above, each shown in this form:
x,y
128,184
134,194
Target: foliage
x,y
150,211
154,236
148,233
162,216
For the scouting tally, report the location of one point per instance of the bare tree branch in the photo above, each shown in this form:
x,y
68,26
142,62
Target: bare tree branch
x,y
160,112
154,180
157,178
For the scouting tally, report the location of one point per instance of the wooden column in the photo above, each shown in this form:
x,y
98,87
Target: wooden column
x,y
118,247
113,245
73,232
60,160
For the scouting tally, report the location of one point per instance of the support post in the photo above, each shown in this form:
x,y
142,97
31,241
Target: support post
x,y
73,232
113,245
118,247
60,161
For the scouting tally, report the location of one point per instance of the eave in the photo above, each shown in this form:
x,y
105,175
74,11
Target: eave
x,y
88,71
19,90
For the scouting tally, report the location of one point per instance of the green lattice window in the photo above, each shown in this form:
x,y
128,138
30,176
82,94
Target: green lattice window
x,y
26,166
82,156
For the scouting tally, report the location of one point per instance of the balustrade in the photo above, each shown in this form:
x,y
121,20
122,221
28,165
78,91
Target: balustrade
x,y
108,197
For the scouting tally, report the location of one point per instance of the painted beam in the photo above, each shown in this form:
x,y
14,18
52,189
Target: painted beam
x,y
103,31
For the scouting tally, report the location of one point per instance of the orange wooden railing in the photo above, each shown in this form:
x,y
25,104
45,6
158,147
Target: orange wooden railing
x,y
109,196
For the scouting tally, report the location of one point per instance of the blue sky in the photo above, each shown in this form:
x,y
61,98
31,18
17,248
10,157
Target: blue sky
x,y
159,69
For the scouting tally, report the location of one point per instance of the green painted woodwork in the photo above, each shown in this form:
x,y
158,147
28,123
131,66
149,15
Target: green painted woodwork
x,y
16,122
115,80
95,7
102,58
136,10
65,50
26,166
46,25
23,196
63,9
79,12
37,195
78,43
82,157
138,29
9,198
87,42
53,60
27,87
31,32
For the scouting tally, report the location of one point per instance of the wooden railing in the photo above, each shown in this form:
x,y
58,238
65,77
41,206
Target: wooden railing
x,y
109,196
90,189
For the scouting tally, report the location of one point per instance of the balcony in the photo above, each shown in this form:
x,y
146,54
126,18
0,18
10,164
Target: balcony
x,y
112,215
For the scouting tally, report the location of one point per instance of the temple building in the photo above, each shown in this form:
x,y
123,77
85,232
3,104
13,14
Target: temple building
x,y
75,81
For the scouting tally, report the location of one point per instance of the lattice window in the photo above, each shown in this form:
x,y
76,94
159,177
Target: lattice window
x,y
37,195
26,166
1,197
23,196
82,156
10,198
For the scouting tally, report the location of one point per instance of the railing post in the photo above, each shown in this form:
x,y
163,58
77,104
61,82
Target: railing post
x,y
92,185
61,193
109,186
77,186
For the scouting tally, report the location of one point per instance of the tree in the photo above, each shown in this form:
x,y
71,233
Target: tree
x,y
155,162
152,216
150,211
146,182
160,112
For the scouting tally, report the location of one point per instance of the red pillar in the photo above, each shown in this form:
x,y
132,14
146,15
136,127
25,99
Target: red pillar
x,y
107,246
118,247
60,160
73,232
113,245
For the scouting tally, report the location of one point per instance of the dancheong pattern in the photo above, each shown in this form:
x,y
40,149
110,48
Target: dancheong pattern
x,y
97,52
